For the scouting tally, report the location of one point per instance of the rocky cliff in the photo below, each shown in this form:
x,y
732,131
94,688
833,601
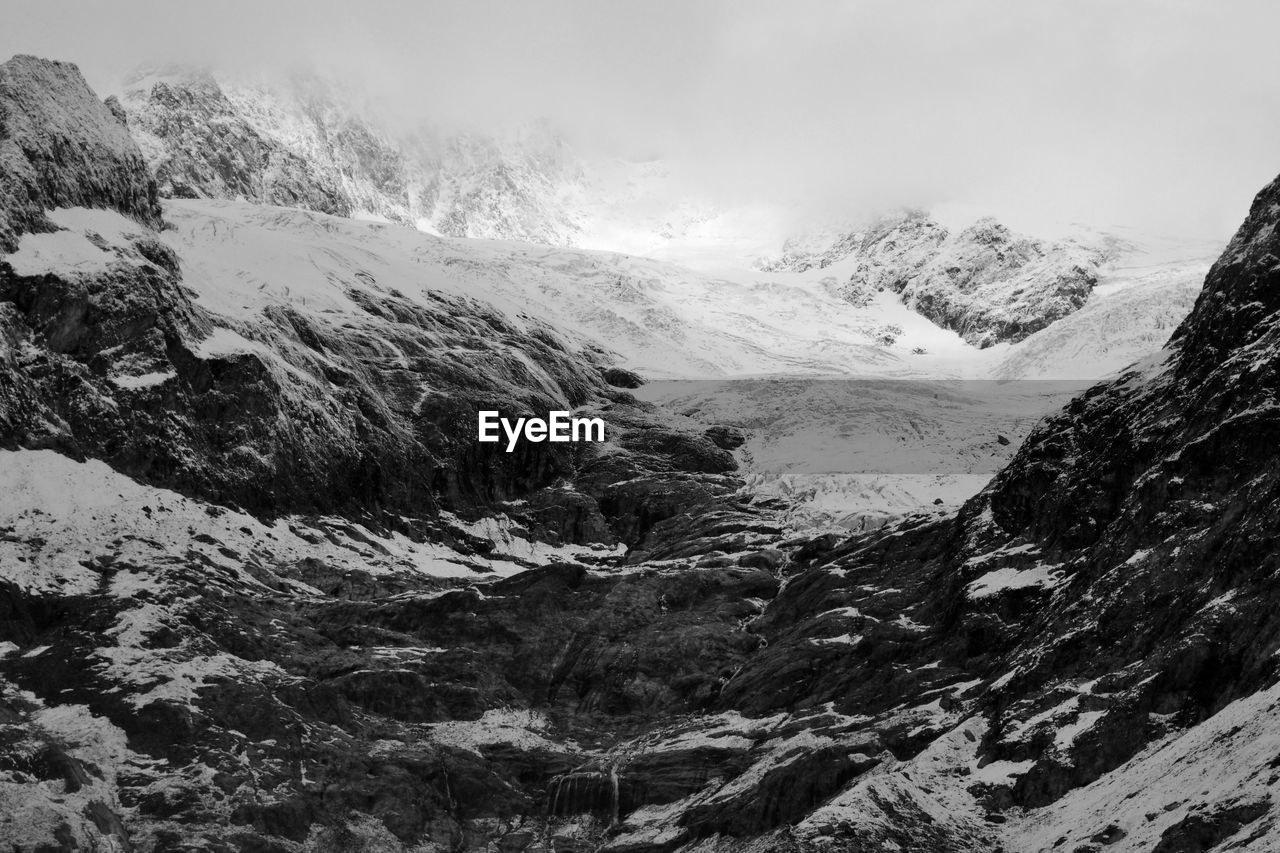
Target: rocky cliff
x,y
351,431
112,355
259,590
200,146
1101,611
298,141
59,147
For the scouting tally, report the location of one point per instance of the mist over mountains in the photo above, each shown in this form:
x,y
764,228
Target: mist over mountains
x,y
908,531
299,140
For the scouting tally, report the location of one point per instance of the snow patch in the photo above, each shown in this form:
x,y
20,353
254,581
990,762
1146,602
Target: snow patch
x,y
1004,580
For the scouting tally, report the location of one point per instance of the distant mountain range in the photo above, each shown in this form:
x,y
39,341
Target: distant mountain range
x,y
299,140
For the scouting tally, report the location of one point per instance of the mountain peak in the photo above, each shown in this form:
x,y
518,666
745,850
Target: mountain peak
x,y
62,147
298,139
1237,309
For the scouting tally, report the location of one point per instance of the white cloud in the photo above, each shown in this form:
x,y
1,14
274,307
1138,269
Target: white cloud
x,y
1164,114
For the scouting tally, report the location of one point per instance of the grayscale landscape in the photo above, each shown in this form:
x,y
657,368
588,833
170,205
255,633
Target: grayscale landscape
x,y
937,352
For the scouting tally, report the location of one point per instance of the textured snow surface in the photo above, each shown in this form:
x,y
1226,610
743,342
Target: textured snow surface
x,y
857,464
523,729
1000,580
59,513
28,809
82,247
62,252
859,452
1223,764
661,319
1132,312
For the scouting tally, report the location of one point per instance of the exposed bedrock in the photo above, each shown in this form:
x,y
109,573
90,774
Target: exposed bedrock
x,y
1081,658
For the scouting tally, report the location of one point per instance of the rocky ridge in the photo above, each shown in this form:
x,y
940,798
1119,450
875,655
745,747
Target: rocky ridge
x,y
289,418
985,282
298,141
212,641
60,148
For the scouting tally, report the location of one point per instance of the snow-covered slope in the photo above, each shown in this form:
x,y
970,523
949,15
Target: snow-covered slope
x,y
660,319
248,619
1140,298
301,140
983,281
55,509
298,140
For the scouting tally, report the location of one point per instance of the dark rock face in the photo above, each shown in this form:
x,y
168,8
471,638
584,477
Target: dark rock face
x,y
361,439
620,377
62,147
112,361
1082,658
992,286
203,148
726,437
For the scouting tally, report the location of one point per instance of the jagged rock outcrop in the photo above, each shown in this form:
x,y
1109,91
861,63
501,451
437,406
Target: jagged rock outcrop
x,y
201,147
1082,658
61,147
991,285
985,282
113,357
297,141
1111,589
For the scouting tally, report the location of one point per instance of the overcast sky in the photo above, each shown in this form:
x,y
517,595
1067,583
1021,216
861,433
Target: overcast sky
x,y
1162,114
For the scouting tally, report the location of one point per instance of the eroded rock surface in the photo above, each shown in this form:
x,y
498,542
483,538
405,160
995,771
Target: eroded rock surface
x,y
261,590
61,147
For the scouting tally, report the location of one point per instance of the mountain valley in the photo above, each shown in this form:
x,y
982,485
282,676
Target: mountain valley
x,y
919,538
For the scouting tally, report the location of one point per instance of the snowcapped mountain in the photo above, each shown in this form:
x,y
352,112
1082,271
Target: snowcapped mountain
x,y
1141,295
735,345
983,281
299,140
261,589
850,303
663,320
